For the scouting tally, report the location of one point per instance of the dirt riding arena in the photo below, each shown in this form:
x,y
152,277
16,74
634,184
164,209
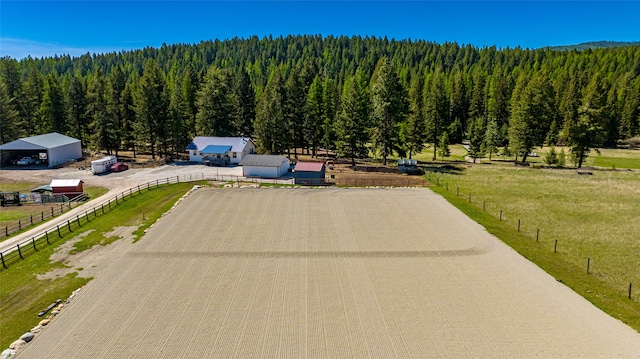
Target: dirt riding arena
x,y
326,273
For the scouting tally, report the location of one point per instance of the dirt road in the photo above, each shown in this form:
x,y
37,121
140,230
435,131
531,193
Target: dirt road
x,y
326,273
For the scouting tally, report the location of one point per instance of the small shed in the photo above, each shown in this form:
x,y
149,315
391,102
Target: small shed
x,y
266,166
68,187
309,173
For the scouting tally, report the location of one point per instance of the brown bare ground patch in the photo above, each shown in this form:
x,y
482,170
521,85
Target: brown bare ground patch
x,y
89,263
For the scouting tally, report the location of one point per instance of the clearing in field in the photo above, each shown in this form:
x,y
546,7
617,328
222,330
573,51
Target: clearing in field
x,y
321,273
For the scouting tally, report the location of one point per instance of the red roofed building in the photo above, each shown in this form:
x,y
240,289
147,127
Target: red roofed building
x,y
68,187
309,173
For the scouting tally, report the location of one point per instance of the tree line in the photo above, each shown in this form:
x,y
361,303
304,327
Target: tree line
x,y
355,96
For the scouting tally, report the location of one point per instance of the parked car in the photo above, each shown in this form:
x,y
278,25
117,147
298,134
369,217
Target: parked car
x,y
118,167
25,161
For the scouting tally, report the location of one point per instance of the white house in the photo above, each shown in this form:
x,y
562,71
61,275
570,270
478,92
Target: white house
x,y
220,150
266,166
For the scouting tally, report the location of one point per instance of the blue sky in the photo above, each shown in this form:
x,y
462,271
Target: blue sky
x,y
45,28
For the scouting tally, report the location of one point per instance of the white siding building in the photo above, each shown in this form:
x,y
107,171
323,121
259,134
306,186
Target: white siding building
x,y
265,166
220,150
53,149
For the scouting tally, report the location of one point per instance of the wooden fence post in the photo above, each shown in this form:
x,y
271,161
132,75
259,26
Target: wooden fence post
x,y
2,258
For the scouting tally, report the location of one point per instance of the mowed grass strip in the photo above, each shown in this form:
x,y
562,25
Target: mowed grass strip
x,y
593,218
23,296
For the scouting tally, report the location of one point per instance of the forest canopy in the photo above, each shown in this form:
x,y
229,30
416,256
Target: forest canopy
x,y
354,95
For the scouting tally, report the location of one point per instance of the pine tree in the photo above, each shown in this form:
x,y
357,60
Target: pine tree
x,y
415,136
443,146
436,111
53,107
9,127
128,119
100,127
270,125
588,131
33,96
10,76
459,109
390,106
245,97
178,117
531,117
294,110
352,123
116,84
492,137
190,87
77,104
314,115
476,132
551,157
215,105
152,107
630,114
330,101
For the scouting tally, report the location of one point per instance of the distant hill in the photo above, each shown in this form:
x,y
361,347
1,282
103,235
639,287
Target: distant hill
x,y
594,45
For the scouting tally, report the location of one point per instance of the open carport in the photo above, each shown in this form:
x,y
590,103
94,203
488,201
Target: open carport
x,y
326,273
52,149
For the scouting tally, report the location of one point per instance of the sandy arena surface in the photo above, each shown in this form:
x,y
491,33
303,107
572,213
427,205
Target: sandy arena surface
x,y
326,273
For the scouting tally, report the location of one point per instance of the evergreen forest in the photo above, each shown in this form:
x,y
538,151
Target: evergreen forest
x,y
356,96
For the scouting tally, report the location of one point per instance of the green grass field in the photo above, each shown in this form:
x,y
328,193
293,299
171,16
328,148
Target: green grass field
x,y
592,217
22,295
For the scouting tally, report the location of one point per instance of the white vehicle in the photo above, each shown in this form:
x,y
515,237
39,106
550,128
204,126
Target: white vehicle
x,y
103,165
25,161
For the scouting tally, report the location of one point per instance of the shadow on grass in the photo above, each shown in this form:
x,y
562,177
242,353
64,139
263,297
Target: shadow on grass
x,y
445,168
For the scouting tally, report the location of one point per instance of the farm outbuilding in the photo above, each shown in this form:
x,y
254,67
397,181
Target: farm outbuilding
x,y
221,151
52,149
68,187
309,173
266,166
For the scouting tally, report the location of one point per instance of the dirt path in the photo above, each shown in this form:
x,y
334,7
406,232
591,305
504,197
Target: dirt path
x,y
323,273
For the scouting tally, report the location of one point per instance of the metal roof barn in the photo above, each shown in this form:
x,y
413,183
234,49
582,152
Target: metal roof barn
x,y
266,166
52,149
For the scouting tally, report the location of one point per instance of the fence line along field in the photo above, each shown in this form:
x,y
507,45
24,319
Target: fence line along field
x,y
318,273
594,217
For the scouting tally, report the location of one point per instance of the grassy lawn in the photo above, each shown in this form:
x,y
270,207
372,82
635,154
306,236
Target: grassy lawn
x,y
22,295
593,217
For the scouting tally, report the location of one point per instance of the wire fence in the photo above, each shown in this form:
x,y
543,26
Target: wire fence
x,y
533,232
379,182
53,234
